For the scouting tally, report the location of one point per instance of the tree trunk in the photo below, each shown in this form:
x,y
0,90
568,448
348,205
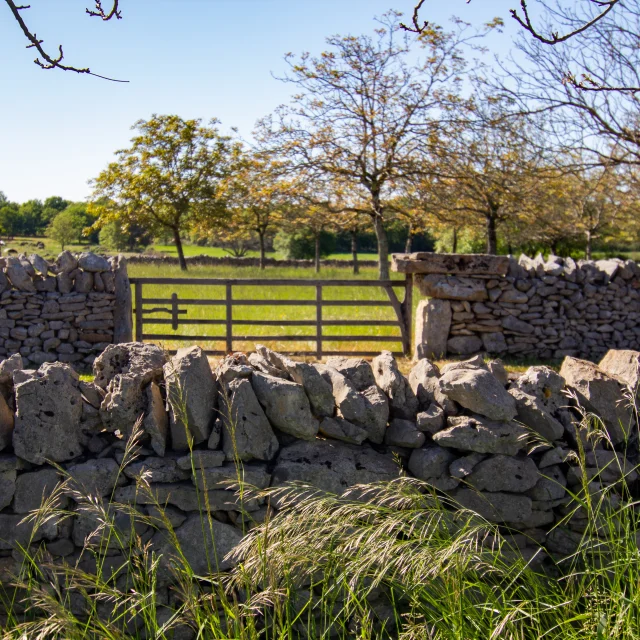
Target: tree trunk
x,y
383,247
178,241
354,251
317,256
262,251
454,241
587,249
409,242
492,237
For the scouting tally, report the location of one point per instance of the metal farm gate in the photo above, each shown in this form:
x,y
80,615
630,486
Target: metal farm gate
x,y
158,302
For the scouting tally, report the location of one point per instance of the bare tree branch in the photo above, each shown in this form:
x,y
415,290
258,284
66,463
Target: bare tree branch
x,y
49,61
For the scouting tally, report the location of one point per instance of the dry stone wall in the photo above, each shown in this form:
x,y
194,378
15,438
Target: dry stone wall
x,y
525,307
63,312
152,431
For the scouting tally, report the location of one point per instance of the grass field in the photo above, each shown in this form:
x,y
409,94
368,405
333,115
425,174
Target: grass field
x,y
273,313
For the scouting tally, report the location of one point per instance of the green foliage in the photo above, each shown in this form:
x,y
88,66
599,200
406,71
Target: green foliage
x,y
66,228
300,245
116,238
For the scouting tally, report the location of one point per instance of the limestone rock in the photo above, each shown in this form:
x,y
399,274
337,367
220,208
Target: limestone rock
x,y
545,384
424,379
464,345
144,361
551,485
496,507
286,405
356,370
201,460
623,365
157,470
452,288
404,433
504,473
15,531
601,394
494,342
531,412
462,467
430,462
376,414
66,262
156,422
340,429
432,420
332,466
228,474
478,434
31,489
350,403
19,277
7,486
8,367
480,392
191,395
93,262
246,432
204,545
48,412
433,321
95,477
262,364
124,404
39,264
403,402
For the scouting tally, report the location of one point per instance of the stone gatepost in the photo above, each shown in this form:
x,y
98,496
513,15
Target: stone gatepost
x,y
443,279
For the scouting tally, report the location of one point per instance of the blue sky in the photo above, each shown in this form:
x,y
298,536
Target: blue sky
x,y
195,58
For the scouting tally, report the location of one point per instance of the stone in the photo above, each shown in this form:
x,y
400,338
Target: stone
x,y
464,345
83,282
601,394
6,424
14,531
64,282
404,433
246,432
286,405
504,473
31,489
552,457
191,395
511,323
318,390
144,361
157,470
39,264
165,515
624,365
494,342
357,370
551,485
545,384
95,477
93,262
203,544
350,403
7,486
262,364
19,277
118,282
496,507
340,429
532,413
332,466
433,321
8,367
563,541
480,392
92,393
462,467
452,288
432,420
229,474
124,404
112,533
402,401
513,296
475,433
424,380
430,462
446,263
201,460
48,412
66,262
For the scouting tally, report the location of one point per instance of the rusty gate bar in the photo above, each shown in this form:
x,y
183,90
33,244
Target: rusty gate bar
x,y
402,309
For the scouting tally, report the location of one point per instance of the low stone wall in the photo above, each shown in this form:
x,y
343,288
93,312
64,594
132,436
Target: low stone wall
x,y
525,307
230,261
66,311
501,445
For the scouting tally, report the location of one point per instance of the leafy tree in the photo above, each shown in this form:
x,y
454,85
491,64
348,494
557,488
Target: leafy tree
x,y
31,218
66,228
52,207
115,237
10,221
366,113
173,177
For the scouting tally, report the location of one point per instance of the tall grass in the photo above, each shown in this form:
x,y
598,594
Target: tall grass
x,y
390,560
